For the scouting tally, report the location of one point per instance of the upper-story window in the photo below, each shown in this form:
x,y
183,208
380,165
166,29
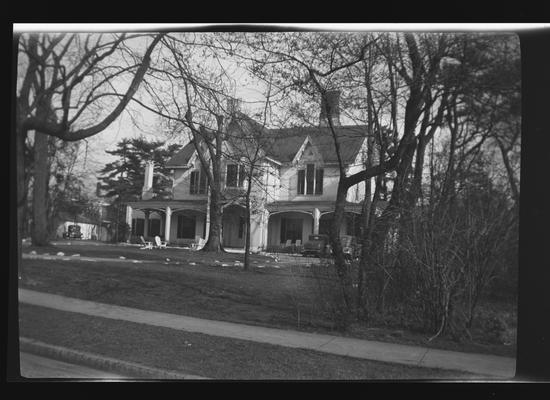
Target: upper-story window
x,y
198,182
235,175
310,180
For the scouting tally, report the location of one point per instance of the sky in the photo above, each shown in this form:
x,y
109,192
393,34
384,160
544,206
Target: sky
x,y
93,156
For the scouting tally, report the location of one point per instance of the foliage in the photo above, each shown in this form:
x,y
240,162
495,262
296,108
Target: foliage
x,y
123,178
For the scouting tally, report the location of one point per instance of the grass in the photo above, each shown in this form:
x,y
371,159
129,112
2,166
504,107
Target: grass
x,y
284,297
134,252
199,354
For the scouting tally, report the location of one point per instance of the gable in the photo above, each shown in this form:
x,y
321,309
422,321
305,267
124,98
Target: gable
x,y
308,153
287,143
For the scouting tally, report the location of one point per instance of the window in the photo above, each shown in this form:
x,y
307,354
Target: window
x,y
235,175
137,226
198,182
301,181
202,182
232,172
310,168
309,179
194,185
319,180
186,227
291,228
154,227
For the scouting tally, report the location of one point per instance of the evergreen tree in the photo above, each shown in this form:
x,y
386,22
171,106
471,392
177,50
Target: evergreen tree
x,y
123,179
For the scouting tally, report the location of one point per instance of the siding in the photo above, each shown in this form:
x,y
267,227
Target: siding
x,y
182,181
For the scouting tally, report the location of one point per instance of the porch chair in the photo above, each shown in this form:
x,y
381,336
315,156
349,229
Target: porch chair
x,y
197,244
159,243
298,245
146,245
288,243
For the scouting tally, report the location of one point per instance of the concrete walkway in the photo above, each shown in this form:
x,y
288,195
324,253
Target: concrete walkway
x,y
484,365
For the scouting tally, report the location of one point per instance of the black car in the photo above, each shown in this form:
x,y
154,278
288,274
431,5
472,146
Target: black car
x,y
317,245
73,232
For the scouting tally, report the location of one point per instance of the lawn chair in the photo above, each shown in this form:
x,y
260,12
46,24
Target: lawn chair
x,y
146,245
298,245
159,243
197,243
288,243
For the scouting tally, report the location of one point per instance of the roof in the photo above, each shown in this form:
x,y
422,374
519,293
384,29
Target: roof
x,y
283,144
182,157
287,142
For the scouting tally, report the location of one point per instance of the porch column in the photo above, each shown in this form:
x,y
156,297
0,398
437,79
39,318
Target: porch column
x,y
316,218
146,223
265,224
167,224
128,221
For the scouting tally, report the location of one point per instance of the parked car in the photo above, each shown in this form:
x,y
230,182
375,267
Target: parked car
x,y
316,245
73,232
319,245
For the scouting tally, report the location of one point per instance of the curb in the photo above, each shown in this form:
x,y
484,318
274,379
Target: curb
x,y
133,370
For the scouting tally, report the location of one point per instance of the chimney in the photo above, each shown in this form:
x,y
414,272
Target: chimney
x,y
331,108
233,105
148,181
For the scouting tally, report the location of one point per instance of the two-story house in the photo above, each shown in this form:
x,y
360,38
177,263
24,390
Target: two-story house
x,y
294,191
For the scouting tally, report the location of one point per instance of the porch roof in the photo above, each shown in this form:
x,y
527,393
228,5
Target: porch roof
x,y
309,205
175,205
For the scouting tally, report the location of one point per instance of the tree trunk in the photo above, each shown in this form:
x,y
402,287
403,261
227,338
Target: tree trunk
x,y
40,234
247,224
337,251
214,235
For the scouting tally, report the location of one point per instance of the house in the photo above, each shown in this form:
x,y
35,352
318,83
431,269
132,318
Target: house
x,y
294,192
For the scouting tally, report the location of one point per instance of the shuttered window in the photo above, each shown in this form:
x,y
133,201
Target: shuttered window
x,y
319,180
202,182
198,182
310,180
301,181
310,168
194,184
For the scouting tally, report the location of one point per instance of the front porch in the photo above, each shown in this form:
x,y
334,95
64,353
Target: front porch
x,y
291,223
178,223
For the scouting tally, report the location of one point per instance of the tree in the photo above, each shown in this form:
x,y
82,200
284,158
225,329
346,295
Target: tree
x,y
249,142
312,64
66,84
122,180
187,91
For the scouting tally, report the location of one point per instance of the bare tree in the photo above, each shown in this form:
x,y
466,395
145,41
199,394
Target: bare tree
x,y
65,83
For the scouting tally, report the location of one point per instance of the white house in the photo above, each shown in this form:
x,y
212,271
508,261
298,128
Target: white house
x,y
294,193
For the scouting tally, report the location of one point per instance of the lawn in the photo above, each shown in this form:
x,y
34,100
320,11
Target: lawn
x,y
199,354
134,252
192,283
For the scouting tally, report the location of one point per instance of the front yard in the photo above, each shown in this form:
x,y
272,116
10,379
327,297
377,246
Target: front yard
x,y
212,286
204,355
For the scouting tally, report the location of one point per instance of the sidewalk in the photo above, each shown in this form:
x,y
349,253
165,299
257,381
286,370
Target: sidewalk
x,y
484,365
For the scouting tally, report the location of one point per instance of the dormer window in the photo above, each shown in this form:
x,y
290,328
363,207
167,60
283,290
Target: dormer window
x,y
235,175
310,180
